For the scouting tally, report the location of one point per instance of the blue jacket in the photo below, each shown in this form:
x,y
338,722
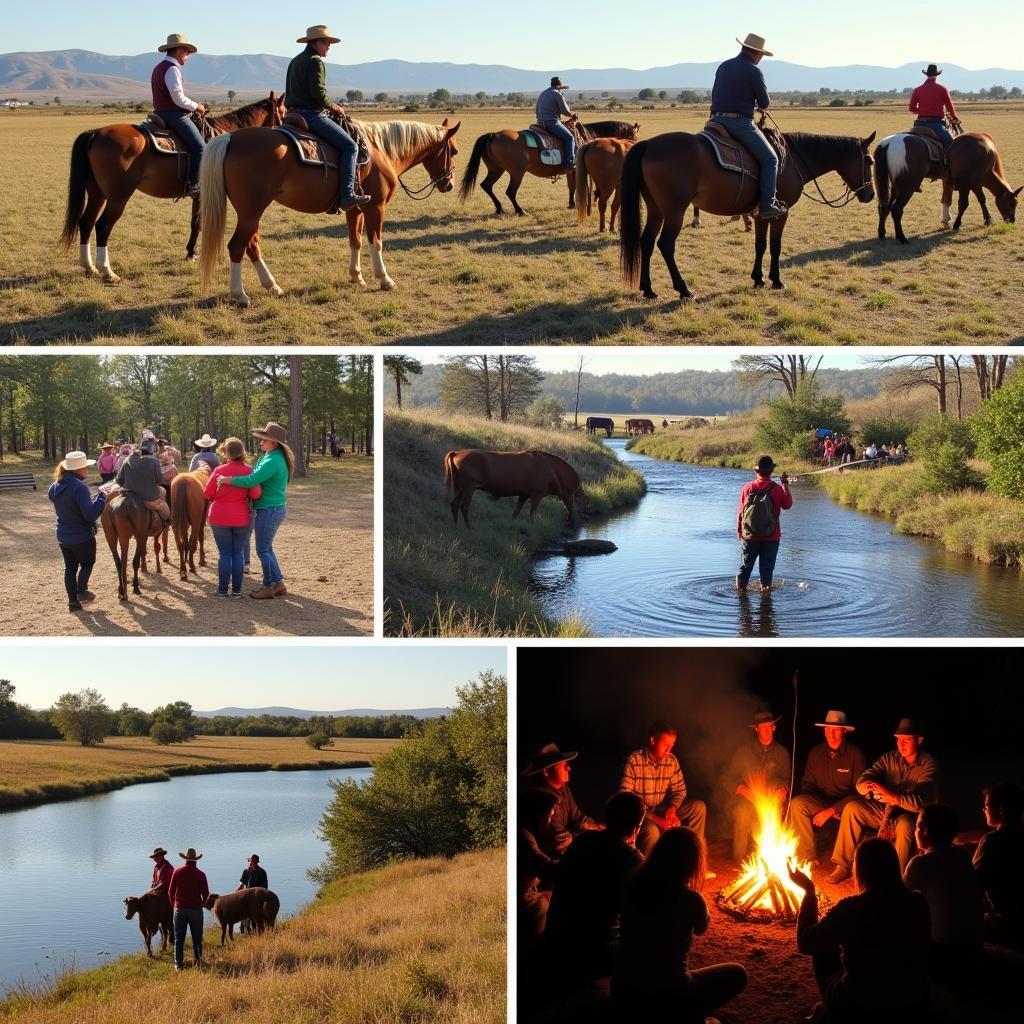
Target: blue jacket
x,y
739,85
76,511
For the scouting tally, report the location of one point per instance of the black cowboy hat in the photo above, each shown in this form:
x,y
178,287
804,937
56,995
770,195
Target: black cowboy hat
x,y
933,71
909,727
548,755
158,852
765,465
764,718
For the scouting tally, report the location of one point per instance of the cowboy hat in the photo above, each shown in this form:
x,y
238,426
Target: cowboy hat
x,y
272,432
547,756
764,718
765,465
909,727
126,449
315,32
206,441
77,460
836,720
174,40
158,852
105,445
557,83
190,854
753,42
933,71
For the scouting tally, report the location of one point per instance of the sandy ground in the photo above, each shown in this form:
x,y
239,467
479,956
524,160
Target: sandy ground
x,y
325,548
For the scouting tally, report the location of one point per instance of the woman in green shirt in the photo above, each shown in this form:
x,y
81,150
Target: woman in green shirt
x,y
273,471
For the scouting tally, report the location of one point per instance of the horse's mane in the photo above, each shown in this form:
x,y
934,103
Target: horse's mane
x,y
397,138
811,146
244,116
608,129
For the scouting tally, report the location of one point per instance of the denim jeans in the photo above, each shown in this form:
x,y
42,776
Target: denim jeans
x,y
334,135
247,543
567,137
268,520
180,122
231,556
188,919
78,562
744,130
938,126
762,551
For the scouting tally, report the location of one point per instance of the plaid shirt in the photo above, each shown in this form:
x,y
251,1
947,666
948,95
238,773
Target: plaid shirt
x,y
659,784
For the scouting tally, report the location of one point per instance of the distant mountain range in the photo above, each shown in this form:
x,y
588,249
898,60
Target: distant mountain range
x,y
301,713
83,74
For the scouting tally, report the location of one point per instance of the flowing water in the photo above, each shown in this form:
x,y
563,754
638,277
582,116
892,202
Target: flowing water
x,y
68,866
839,572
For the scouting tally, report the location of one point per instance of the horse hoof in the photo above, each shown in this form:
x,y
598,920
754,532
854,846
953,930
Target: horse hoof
x,y
758,284
192,258
778,286
387,285
109,277
649,293
687,297
359,282
90,272
241,301
274,289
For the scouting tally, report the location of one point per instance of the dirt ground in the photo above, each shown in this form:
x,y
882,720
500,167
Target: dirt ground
x,y
325,548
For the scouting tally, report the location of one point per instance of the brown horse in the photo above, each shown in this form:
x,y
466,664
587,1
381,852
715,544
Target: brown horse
x,y
188,517
600,160
674,170
258,166
506,152
108,165
124,517
974,164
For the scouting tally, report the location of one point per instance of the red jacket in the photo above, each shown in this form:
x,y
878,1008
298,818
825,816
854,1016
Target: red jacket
x,y
932,100
780,498
162,874
188,888
230,505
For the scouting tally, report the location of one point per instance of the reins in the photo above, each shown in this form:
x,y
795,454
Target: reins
x,y
427,190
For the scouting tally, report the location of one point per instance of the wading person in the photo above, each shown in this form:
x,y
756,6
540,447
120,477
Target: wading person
x,y
306,94
829,783
931,102
140,474
204,453
567,820
272,472
653,773
106,464
77,512
758,525
892,791
998,861
739,89
188,892
229,517
174,107
551,107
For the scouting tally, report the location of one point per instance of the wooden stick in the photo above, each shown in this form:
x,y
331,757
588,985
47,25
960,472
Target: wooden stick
x,y
740,888
754,897
778,900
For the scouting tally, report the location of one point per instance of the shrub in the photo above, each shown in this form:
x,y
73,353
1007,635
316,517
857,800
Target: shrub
x,y
883,429
999,430
164,731
318,740
946,470
546,411
788,418
936,431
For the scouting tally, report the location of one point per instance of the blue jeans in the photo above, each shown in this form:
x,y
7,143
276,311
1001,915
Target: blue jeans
x,y
180,122
190,919
762,551
334,135
247,543
744,130
938,126
231,551
268,520
567,138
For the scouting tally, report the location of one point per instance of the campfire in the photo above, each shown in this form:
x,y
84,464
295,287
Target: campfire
x,y
763,891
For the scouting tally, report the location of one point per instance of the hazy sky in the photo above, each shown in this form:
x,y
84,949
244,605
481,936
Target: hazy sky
x,y
601,33
254,675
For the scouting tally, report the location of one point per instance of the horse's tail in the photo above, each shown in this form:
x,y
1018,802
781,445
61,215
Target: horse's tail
x,y
179,509
629,214
213,207
582,183
449,478
882,181
79,177
473,166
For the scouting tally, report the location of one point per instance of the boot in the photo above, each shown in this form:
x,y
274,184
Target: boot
x,y
348,202
773,209
279,589
263,594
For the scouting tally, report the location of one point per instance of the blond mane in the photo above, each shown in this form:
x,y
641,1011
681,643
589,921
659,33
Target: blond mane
x,y
397,138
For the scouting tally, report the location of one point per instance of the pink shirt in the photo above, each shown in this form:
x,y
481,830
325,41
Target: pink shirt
x,y
230,505
107,462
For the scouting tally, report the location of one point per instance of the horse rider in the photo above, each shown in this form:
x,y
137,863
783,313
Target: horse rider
x,y
931,102
174,107
739,88
551,106
306,92
141,475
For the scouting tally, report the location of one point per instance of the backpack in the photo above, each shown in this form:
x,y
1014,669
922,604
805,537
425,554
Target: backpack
x,y
758,518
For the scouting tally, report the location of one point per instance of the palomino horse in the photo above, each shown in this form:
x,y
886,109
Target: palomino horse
x,y
188,517
674,170
124,517
109,164
258,166
974,164
600,160
506,152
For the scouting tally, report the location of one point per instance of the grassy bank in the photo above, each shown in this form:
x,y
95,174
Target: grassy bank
x,y
422,941
445,580
43,771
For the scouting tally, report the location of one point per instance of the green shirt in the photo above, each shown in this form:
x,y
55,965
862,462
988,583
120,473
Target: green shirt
x,y
271,473
306,82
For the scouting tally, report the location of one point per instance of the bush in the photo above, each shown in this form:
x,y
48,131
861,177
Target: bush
x,y
546,411
319,740
999,430
935,432
788,418
946,471
164,731
883,429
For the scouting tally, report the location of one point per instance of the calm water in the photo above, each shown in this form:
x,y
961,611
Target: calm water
x,y
68,866
839,572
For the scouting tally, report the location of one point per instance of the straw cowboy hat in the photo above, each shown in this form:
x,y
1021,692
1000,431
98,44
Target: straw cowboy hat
x,y
272,432
557,83
158,852
315,32
909,727
77,460
763,718
547,756
206,441
190,854
106,445
174,40
837,720
933,71
753,42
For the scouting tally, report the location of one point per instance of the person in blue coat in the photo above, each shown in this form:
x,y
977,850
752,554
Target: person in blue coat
x,y
77,513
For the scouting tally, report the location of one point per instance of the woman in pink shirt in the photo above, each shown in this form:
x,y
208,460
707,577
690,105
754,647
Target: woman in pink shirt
x,y
107,462
229,517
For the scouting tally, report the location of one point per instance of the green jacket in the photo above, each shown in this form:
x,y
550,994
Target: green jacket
x,y
306,83
271,473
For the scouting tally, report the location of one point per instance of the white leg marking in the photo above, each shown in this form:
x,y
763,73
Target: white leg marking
x,y
85,258
379,270
267,278
945,214
104,267
237,291
355,264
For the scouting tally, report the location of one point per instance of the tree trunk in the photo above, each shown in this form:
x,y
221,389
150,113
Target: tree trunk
x,y
398,386
579,384
368,407
940,383
295,433
488,411
208,407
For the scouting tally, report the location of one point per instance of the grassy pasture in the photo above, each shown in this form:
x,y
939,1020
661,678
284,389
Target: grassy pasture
x,y
466,277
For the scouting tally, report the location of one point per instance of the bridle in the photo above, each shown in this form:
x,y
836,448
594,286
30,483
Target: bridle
x,y
428,190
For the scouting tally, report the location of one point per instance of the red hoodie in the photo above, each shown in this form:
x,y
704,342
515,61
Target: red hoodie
x,y
780,498
230,505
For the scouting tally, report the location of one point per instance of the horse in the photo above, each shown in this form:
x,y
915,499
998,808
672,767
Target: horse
x,y
974,164
125,516
188,517
108,165
506,151
902,162
600,160
258,166
672,171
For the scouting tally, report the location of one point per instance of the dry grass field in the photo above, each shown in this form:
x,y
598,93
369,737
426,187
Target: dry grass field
x,y
466,277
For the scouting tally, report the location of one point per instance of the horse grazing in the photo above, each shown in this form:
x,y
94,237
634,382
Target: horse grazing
x,y
258,166
600,160
506,152
124,517
974,164
902,162
672,171
108,165
188,517
154,910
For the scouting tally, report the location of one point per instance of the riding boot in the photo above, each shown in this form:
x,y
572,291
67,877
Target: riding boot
x,y
347,196
773,209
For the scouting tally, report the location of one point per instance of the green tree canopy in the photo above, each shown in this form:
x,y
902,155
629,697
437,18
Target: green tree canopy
x,y
794,417
999,429
83,717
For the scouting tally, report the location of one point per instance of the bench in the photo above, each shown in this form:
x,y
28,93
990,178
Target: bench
x,y
17,480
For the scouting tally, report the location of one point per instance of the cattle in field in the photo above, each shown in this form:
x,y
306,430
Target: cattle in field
x,y
257,905
637,427
155,915
596,423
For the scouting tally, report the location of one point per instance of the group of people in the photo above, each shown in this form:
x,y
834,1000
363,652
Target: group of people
x,y
621,899
833,448
244,502
892,453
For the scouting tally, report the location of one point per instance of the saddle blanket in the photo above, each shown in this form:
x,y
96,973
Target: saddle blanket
x,y
936,151
309,148
548,146
163,140
730,154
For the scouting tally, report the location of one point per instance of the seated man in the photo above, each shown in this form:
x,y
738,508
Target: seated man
x,y
567,820
893,789
551,106
140,474
998,861
534,868
931,102
174,107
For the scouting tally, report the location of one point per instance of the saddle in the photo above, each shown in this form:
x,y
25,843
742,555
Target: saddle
x,y
733,156
936,150
549,146
164,141
312,150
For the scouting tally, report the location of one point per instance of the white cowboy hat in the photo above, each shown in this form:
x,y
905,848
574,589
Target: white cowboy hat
x,y
174,40
753,42
206,441
315,32
836,720
77,460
